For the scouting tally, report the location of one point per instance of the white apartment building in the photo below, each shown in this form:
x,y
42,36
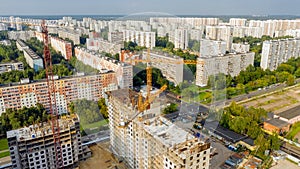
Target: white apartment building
x,y
209,48
104,46
237,21
170,66
7,67
124,72
222,33
180,38
230,64
276,52
141,38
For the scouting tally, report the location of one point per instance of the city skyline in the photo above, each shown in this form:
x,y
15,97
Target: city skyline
x,y
175,7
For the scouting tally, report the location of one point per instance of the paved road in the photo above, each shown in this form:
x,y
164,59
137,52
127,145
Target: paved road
x,y
100,136
269,89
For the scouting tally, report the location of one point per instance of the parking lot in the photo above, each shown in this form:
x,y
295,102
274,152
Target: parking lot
x,y
223,154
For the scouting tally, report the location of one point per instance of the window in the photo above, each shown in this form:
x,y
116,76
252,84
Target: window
x,y
204,158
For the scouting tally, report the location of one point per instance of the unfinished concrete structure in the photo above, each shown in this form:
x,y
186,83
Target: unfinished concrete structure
x,y
150,140
33,146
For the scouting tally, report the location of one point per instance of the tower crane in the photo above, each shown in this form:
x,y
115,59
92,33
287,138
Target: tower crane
x,y
142,106
51,93
52,98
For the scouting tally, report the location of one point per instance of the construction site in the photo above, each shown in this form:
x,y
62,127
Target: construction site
x,y
142,138
34,146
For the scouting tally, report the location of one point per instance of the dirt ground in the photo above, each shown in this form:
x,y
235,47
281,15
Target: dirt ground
x,y
285,164
101,159
277,102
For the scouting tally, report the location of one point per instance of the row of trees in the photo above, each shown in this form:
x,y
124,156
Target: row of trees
x,y
247,122
254,77
14,119
89,111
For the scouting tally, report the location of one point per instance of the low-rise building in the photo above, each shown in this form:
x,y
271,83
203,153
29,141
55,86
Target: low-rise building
x,y
291,115
33,60
7,67
277,125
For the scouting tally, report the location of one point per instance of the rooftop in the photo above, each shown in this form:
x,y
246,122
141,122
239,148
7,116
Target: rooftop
x,y
32,54
291,113
45,80
101,56
277,122
171,135
225,133
42,129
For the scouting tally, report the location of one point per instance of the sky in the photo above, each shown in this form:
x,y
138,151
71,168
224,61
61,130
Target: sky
x,y
173,7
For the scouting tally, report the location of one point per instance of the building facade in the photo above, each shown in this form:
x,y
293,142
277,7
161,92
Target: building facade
x,y
124,72
220,33
141,38
7,67
33,146
62,46
103,46
230,64
151,141
170,66
67,90
276,52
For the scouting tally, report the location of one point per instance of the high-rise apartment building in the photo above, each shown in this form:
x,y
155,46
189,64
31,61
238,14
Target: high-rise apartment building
x,y
210,48
115,37
141,38
237,21
230,64
104,46
151,141
33,146
276,52
68,89
170,66
62,46
222,33
33,60
23,35
180,38
70,34
124,72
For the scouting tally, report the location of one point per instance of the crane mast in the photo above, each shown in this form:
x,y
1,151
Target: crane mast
x,y
52,98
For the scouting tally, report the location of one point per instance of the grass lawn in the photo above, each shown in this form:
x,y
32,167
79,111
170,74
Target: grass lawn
x,y
293,131
4,154
95,125
3,144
